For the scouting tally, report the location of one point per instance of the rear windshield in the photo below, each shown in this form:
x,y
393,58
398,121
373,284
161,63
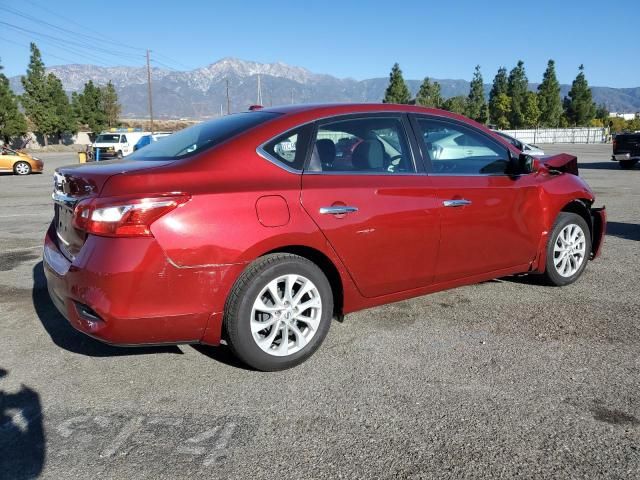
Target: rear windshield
x,y
205,135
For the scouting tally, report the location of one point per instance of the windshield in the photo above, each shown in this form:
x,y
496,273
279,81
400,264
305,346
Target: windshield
x,y
200,137
108,138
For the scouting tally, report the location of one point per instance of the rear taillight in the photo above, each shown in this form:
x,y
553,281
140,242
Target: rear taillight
x,y
123,218
614,144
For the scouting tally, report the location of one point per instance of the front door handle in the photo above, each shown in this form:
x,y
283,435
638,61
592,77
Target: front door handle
x,y
338,210
456,203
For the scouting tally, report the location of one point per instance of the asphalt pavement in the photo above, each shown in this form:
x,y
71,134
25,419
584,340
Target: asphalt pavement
x,y
503,379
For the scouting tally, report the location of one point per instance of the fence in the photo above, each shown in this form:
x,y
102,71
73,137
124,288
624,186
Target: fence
x,y
560,135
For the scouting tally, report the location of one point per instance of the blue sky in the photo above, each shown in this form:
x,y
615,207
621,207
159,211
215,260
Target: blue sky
x,y
342,38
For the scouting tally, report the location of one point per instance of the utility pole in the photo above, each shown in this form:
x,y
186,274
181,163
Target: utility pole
x,y
228,100
292,96
149,87
259,102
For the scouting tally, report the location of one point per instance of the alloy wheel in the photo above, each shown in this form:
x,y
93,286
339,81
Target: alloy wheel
x,y
569,250
286,315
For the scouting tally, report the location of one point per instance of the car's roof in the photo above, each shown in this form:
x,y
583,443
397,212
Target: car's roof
x,y
338,108
306,112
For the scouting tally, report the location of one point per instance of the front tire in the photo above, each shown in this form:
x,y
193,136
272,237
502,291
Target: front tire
x,y
627,164
279,312
119,155
22,168
568,249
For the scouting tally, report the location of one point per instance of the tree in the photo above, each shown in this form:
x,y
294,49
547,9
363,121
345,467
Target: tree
x,y
496,104
549,100
64,120
579,106
112,108
89,108
476,105
397,91
501,109
429,94
456,104
531,110
517,87
12,121
36,100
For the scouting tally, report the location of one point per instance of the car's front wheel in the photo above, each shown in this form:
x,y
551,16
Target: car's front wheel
x,y
568,249
278,312
22,168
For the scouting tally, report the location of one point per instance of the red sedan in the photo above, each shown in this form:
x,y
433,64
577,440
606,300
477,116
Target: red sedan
x,y
252,230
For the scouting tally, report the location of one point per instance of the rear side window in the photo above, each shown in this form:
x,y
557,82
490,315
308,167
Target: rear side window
x,y
202,136
362,145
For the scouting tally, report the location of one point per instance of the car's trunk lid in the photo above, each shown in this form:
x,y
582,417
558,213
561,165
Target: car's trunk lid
x,y
78,182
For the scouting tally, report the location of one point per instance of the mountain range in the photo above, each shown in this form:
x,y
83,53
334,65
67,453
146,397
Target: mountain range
x,y
201,93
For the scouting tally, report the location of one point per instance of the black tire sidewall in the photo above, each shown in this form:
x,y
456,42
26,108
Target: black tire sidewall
x,y
15,168
564,219
238,325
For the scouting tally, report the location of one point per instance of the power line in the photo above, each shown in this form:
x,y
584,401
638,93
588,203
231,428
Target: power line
x,y
27,47
69,42
69,20
82,43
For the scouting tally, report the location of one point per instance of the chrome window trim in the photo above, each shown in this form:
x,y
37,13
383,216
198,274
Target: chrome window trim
x,y
271,159
267,156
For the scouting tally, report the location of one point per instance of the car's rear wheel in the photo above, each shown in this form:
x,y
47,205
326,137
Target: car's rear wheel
x,y
568,249
278,312
22,168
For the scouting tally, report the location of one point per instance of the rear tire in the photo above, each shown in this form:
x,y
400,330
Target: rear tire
x,y
568,249
22,168
627,164
279,312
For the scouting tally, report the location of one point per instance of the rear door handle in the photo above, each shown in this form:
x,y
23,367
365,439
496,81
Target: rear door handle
x,y
338,210
456,203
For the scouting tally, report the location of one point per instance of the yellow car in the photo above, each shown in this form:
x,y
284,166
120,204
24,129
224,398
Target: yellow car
x,y
20,163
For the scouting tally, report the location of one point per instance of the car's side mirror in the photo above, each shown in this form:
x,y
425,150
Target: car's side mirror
x,y
526,164
521,164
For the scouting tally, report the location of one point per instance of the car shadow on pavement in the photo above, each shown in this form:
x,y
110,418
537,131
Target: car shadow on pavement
x,y
65,336
22,439
601,166
627,231
222,354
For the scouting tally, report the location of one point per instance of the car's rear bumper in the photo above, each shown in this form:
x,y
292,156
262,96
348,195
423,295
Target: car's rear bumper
x,y
599,228
126,292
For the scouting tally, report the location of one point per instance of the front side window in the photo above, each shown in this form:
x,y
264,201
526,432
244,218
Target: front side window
x,y
362,145
123,139
202,136
459,150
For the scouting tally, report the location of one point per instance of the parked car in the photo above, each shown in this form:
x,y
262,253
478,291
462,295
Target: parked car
x,y
20,163
527,148
245,230
626,149
148,139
